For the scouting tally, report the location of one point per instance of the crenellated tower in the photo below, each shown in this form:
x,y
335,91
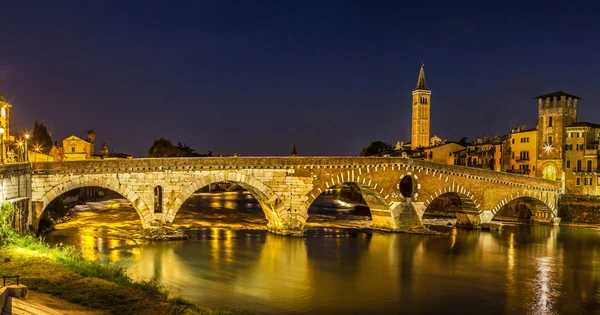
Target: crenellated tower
x,y
555,112
420,113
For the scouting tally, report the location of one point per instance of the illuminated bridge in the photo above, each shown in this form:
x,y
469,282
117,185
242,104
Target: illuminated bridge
x,y
397,190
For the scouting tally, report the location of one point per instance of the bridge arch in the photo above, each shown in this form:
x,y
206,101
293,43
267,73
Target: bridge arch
x,y
88,181
465,194
269,201
537,204
369,190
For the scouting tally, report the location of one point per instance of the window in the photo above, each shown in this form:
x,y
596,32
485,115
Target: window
x,y
578,165
589,165
549,140
598,181
73,149
513,154
513,141
578,182
568,163
585,181
549,121
570,135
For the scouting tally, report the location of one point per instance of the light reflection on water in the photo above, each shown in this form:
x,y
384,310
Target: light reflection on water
x,y
231,260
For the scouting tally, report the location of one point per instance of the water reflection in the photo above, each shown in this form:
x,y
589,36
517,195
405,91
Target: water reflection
x,y
519,270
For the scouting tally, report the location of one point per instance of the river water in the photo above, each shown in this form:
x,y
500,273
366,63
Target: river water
x,y
342,267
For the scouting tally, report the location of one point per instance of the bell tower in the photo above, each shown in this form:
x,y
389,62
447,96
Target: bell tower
x,y
420,113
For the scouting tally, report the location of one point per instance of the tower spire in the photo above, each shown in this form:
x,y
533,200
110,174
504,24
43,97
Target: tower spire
x,y
421,83
294,153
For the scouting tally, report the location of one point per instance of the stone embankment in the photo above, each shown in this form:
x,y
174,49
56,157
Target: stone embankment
x,y
579,209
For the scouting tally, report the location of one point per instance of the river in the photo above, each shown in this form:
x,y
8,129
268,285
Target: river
x,y
342,267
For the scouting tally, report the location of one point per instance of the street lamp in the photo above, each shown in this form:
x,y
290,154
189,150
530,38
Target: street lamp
x,y
2,144
26,151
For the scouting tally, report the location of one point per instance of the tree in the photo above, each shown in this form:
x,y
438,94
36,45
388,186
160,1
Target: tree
x,y
376,148
40,138
165,148
463,141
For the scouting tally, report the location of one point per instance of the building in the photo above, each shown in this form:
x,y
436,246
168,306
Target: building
x,y
485,153
581,159
442,153
435,141
523,151
5,138
75,148
555,112
421,97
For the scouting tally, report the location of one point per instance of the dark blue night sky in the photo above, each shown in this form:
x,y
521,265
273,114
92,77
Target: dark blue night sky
x,y
253,77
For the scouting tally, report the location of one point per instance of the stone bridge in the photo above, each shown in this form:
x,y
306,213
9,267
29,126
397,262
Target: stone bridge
x,y
397,190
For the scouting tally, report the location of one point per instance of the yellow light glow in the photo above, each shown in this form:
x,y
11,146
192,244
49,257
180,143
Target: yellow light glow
x,y
548,148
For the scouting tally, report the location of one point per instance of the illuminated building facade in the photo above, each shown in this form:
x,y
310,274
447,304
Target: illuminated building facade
x,y
581,159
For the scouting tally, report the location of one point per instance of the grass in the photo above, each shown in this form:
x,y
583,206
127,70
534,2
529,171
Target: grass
x,y
63,272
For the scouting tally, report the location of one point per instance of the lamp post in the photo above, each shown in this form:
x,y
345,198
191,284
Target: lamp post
x,y
26,150
2,144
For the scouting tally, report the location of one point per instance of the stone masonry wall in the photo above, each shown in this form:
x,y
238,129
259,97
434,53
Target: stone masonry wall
x,y
580,209
16,188
285,187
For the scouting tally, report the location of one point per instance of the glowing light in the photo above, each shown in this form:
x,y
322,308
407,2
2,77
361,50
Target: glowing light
x,y
548,148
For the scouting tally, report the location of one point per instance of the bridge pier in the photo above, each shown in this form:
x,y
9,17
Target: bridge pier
x,y
544,218
470,219
288,224
404,217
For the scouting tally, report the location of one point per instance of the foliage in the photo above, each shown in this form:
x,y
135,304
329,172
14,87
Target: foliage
x,y
40,137
7,214
376,148
165,148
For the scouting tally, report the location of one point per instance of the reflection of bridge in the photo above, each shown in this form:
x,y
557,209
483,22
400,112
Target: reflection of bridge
x,y
397,190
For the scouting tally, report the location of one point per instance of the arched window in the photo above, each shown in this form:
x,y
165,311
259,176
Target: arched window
x,y
158,198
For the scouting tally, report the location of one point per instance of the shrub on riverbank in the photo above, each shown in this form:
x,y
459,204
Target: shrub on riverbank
x,y
63,272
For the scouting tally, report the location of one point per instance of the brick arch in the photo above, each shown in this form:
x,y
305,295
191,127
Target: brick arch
x,y
270,202
367,188
457,189
536,198
110,183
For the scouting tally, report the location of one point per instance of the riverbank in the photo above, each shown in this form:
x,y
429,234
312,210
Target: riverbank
x,y
63,272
